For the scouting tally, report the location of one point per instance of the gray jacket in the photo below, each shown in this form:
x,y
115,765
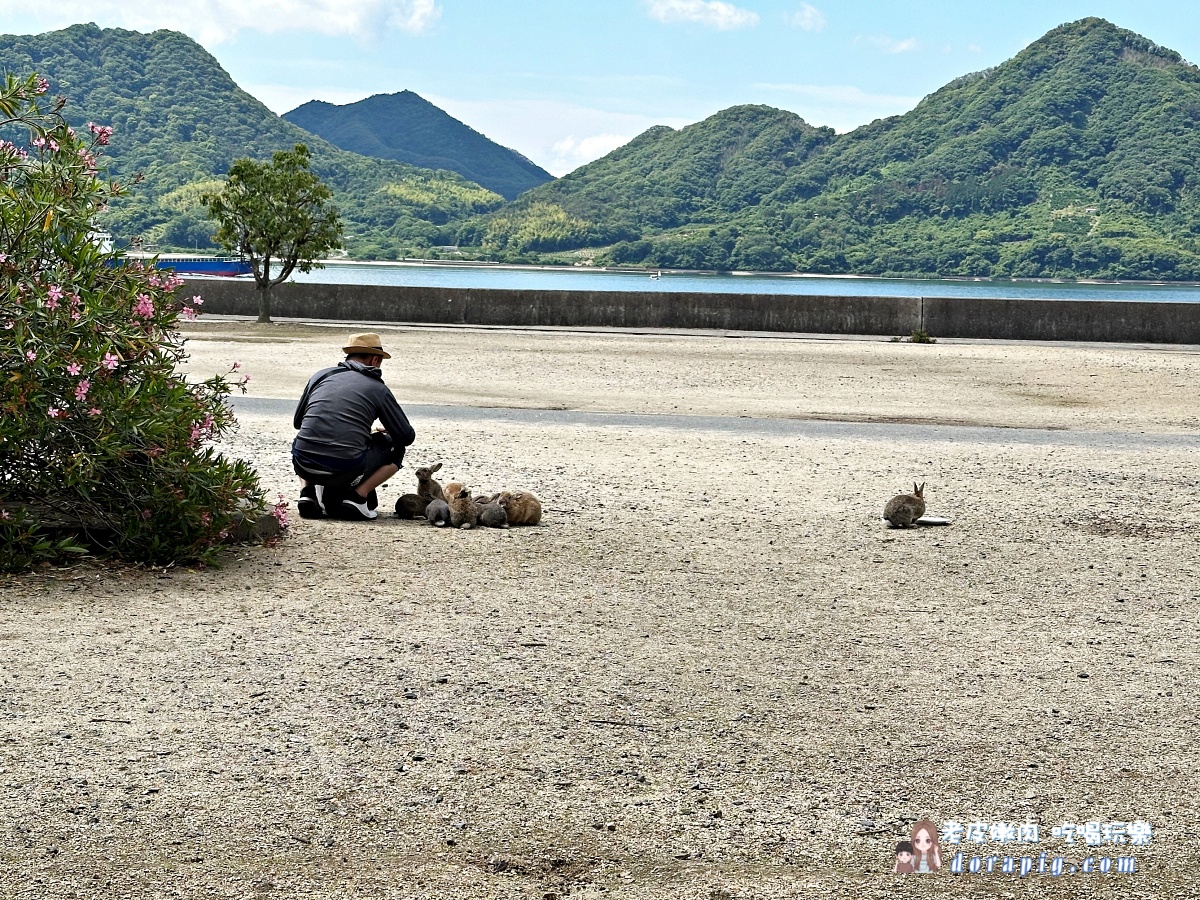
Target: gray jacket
x,y
338,407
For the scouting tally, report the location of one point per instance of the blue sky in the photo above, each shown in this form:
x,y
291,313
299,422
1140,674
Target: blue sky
x,y
565,81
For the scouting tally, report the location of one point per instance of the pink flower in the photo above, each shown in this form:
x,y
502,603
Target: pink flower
x,y
279,511
42,85
4,514
93,411
144,308
3,257
54,412
236,365
73,369
75,316
196,301
206,518
30,355
110,361
81,389
51,303
102,132
145,513
188,313
55,292
245,379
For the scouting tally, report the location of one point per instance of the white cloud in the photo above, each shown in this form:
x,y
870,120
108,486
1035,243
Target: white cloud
x,y
415,15
559,137
808,17
842,107
282,98
213,21
713,13
888,44
571,152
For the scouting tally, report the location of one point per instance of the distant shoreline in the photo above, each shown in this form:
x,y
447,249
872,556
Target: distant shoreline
x,y
634,270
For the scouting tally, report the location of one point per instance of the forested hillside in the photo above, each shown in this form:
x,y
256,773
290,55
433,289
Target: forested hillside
x,y
180,120
408,128
1075,158
658,182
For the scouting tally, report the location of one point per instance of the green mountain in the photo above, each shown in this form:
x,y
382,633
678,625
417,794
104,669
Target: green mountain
x,y
1075,158
409,128
180,120
659,182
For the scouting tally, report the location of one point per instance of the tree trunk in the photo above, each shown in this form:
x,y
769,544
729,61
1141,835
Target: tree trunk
x,y
264,304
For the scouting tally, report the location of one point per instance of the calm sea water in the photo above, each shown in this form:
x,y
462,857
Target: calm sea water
x,y
593,280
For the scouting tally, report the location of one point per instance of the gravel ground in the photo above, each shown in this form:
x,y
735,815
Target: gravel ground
x,y
711,673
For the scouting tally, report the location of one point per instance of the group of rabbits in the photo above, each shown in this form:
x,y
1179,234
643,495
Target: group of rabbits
x,y
453,504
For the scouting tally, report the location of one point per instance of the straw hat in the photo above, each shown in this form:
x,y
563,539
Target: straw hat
x,y
368,344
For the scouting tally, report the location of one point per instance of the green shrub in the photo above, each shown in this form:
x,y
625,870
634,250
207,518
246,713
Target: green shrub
x,y
102,441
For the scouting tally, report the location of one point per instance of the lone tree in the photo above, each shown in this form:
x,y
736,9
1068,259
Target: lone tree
x,y
276,213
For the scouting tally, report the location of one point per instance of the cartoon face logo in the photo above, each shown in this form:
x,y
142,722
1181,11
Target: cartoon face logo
x,y
927,856
904,858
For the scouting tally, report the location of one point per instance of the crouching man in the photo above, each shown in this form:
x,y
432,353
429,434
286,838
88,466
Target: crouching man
x,y
339,459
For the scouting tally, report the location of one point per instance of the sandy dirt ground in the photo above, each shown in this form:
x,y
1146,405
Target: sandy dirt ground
x,y
711,673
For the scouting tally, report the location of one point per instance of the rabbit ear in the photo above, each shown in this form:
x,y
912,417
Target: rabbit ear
x,y
435,467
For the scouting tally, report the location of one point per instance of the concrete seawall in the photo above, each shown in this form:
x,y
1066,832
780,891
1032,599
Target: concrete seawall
x,y
1058,320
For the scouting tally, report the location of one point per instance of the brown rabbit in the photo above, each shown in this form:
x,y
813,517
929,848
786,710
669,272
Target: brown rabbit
x,y
522,507
904,509
463,511
426,486
450,489
409,506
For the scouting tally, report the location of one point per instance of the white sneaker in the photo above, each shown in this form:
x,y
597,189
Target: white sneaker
x,y
311,504
355,507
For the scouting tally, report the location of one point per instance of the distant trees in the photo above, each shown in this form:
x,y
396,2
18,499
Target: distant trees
x,y
276,214
183,121
1076,158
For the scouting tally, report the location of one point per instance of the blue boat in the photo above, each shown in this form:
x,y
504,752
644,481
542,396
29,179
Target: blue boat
x,y
184,264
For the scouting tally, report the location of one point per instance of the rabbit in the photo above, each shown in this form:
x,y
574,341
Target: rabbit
x,y
463,512
409,506
522,507
437,513
491,514
904,509
427,487
450,490
484,499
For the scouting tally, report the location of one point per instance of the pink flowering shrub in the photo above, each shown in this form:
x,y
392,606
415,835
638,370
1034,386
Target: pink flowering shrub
x,y
103,444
